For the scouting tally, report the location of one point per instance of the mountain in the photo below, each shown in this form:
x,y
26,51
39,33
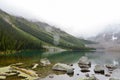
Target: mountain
x,y
109,39
18,33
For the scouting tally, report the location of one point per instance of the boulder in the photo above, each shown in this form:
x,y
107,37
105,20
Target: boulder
x,y
63,67
84,62
3,74
45,62
99,69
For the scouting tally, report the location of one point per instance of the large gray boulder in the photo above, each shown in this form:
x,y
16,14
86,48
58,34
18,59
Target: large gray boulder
x,y
84,62
99,69
63,67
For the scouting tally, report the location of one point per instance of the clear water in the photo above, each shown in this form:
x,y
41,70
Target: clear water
x,y
67,57
100,57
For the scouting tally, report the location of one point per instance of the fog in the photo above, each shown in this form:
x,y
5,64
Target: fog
x,y
81,18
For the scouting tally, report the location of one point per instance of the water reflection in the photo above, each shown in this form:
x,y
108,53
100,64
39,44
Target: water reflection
x,y
35,56
103,57
100,57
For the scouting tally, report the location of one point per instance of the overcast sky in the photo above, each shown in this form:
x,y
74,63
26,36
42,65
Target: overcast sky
x,y
77,17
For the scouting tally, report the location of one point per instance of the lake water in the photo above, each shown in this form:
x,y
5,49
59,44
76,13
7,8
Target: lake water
x,y
68,57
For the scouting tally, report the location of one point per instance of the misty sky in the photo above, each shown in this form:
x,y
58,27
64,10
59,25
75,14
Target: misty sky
x,y
77,17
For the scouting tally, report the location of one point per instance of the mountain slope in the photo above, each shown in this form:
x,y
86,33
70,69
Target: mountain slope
x,y
17,33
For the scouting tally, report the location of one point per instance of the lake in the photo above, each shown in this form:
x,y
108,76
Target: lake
x,y
68,57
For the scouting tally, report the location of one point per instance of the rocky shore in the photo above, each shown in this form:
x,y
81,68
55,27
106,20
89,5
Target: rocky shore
x,y
34,71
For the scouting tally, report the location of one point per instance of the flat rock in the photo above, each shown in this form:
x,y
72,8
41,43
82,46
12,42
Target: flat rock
x,y
63,67
17,64
2,77
29,72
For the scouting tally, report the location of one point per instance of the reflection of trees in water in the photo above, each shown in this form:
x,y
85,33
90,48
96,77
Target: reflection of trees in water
x,y
25,57
35,56
66,57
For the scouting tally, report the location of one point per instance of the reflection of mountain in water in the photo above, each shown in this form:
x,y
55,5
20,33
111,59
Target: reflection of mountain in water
x,y
101,57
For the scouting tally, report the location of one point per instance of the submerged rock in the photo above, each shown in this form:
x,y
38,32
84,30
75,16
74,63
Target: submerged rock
x,y
45,62
17,64
63,67
99,69
6,71
13,70
84,62
11,74
29,72
2,77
